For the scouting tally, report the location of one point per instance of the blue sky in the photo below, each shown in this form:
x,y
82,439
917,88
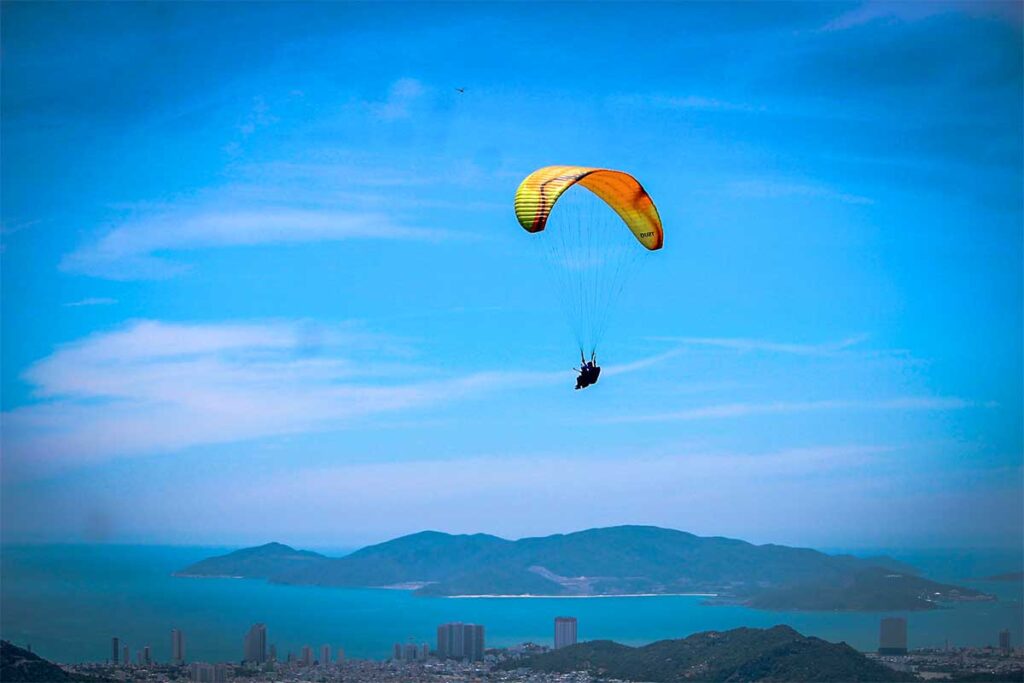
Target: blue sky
x,y
262,279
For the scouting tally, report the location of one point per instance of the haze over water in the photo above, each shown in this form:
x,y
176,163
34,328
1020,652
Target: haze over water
x,y
68,601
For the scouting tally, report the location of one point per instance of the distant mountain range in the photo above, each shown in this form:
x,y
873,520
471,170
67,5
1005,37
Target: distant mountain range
x,y
743,654
622,560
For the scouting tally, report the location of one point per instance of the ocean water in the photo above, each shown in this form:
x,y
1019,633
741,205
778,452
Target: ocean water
x,y
68,601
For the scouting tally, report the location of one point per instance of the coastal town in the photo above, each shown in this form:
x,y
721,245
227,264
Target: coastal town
x,y
459,654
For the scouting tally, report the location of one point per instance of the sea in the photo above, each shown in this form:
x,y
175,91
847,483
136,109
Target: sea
x,y
68,601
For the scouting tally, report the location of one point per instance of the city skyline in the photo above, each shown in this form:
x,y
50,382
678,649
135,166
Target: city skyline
x,y
467,639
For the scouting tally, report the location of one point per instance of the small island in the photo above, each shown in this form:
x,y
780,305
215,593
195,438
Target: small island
x,y
613,561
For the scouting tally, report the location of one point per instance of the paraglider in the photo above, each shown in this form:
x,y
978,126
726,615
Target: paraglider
x,y
588,371
588,252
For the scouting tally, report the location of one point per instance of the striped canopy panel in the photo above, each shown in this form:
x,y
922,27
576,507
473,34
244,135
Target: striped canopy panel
x,y
540,190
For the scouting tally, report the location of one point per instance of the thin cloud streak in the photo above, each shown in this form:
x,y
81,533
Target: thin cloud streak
x,y
91,301
740,410
908,12
129,250
157,387
684,103
744,344
779,189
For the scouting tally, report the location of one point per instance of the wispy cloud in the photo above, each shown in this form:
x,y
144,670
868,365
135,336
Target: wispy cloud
x,y
708,491
92,301
129,250
153,387
402,96
751,345
332,195
740,410
905,12
775,189
684,103
259,116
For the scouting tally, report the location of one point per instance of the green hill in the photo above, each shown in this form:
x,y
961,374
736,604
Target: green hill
x,y
18,665
743,654
610,561
261,562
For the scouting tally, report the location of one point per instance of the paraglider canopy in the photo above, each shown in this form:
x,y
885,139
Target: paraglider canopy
x,y
540,190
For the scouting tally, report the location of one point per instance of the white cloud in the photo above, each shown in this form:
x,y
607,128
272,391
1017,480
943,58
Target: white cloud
x,y
772,189
92,301
129,250
684,102
154,387
402,96
790,494
749,345
259,117
739,410
332,195
908,12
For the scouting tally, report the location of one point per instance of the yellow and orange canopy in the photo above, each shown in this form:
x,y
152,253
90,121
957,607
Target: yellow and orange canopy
x,y
540,190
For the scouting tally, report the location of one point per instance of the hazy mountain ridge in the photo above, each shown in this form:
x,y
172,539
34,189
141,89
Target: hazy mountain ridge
x,y
18,664
607,561
260,562
743,654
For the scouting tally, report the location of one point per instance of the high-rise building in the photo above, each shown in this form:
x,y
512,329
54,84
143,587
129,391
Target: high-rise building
x,y
256,644
115,647
341,655
307,655
410,652
565,631
208,673
126,658
1004,640
460,641
325,654
147,659
177,647
474,647
892,637
273,653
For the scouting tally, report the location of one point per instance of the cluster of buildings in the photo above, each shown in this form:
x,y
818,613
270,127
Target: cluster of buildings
x,y
455,641
257,652
208,673
460,654
121,655
948,662
410,652
892,638
465,642
460,641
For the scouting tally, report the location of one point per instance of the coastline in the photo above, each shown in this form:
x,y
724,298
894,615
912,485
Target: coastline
x,y
562,597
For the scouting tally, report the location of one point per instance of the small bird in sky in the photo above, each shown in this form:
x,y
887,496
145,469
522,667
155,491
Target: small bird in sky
x,y
461,90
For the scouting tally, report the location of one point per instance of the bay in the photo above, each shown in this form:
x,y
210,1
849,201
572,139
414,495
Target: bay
x,y
67,601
